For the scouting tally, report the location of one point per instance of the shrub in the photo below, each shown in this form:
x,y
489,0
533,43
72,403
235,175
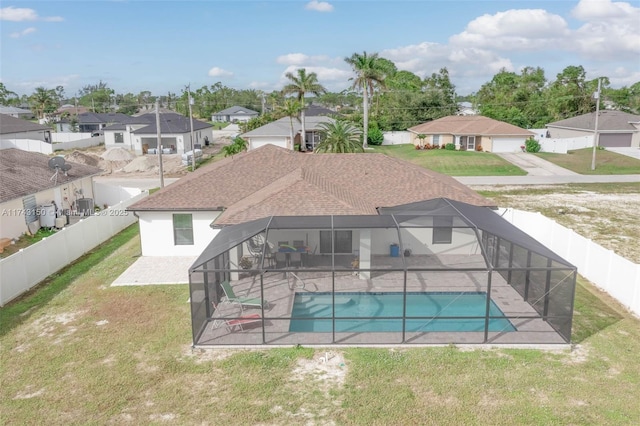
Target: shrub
x,y
375,136
532,145
428,146
444,146
450,146
479,148
418,147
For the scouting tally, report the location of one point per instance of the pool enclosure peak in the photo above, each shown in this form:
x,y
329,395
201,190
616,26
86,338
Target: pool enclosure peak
x,y
325,279
442,214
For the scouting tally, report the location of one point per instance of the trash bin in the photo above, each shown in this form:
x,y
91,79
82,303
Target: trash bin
x,y
394,250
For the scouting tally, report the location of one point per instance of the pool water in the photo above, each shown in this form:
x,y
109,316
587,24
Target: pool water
x,y
312,312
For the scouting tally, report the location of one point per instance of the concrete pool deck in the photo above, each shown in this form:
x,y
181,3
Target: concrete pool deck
x,y
532,331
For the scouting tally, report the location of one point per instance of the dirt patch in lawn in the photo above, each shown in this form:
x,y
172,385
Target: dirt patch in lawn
x,y
609,219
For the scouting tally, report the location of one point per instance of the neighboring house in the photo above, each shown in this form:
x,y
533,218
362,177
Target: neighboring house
x,y
140,133
615,128
90,122
234,114
12,129
278,133
315,110
16,112
181,219
466,108
28,183
471,132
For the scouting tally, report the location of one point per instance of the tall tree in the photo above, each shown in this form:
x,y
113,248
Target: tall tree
x,y
370,72
43,101
6,95
290,108
302,83
339,137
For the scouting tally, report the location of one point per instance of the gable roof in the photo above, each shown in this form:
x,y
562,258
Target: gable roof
x,y
24,173
276,181
315,110
607,121
469,125
9,124
101,118
170,122
236,110
282,126
4,109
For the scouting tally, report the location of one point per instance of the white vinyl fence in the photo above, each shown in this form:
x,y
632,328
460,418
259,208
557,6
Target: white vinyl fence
x,y
79,143
612,273
396,138
58,137
23,270
110,195
31,145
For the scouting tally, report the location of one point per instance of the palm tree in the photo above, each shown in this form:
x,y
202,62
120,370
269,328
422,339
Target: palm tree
x,y
43,101
370,72
339,137
300,84
291,108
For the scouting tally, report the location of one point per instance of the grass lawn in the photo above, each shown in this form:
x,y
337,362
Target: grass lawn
x,y
453,163
607,162
78,351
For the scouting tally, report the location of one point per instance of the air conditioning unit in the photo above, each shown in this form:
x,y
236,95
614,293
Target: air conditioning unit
x,y
85,206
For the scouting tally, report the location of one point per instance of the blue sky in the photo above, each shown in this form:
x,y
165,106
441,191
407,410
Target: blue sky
x,y
162,46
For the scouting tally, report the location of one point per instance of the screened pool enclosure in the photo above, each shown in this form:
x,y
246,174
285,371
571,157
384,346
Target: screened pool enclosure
x,y
433,272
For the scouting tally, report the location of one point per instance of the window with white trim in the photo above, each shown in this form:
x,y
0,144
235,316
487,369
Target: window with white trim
x,y
183,229
442,230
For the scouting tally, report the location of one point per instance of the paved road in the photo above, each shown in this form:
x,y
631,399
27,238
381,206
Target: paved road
x,y
541,172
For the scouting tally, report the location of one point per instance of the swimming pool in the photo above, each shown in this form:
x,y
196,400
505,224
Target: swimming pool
x,y
311,310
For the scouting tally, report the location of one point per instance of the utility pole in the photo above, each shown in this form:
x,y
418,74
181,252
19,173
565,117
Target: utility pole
x,y
596,136
159,135
193,149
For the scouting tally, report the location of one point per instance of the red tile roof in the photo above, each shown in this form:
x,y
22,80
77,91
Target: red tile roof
x,y
275,181
469,125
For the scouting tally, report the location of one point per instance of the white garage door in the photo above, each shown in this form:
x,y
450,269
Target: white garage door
x,y
507,144
258,142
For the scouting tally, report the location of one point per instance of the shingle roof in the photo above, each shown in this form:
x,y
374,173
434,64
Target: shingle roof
x,y
23,173
169,123
4,109
469,125
276,181
236,110
607,121
100,118
9,124
282,126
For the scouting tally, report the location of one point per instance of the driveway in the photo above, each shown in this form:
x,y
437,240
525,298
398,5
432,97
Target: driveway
x,y
542,172
534,165
628,151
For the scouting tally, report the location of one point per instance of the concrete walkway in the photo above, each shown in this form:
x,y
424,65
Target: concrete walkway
x,y
151,270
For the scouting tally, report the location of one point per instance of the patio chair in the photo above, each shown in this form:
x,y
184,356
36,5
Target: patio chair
x,y
242,321
295,259
230,296
281,260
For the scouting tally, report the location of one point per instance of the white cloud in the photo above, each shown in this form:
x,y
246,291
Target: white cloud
x,y
611,29
219,72
23,32
319,6
301,58
18,14
525,29
324,73
259,85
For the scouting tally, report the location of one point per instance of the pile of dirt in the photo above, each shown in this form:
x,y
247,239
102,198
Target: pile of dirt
x,y
89,159
140,164
117,154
